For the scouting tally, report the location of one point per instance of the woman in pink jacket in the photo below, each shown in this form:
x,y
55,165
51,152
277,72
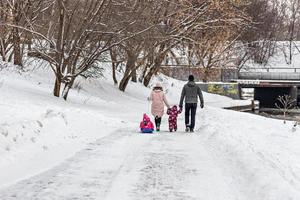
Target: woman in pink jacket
x,y
158,99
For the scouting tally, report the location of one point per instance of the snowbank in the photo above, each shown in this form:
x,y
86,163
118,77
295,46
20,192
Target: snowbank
x,y
262,153
248,156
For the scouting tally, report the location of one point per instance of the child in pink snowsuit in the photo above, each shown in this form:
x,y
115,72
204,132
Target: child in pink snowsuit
x,y
146,125
173,114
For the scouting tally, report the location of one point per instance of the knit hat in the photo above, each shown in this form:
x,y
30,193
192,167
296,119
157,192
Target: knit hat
x,y
158,84
191,78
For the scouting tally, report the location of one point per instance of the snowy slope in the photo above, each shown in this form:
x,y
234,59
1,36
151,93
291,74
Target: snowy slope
x,y
89,147
279,61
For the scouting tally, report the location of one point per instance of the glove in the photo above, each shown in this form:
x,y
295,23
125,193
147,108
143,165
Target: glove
x,y
202,105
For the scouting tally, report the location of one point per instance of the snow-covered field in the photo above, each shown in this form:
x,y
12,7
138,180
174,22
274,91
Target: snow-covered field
x,y
89,147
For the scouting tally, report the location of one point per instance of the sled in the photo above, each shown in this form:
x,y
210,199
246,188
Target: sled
x,y
147,131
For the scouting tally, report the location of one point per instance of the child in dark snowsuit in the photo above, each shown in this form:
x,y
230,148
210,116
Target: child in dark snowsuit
x,y
173,113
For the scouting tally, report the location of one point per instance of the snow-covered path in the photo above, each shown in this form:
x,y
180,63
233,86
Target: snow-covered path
x,y
165,166
127,165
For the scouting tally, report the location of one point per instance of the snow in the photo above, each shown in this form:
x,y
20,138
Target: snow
x,y
279,61
89,147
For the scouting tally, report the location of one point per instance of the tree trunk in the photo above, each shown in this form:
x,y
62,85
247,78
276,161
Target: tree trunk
x,y
125,79
154,69
143,74
69,84
60,34
17,47
10,57
124,83
57,87
148,77
16,39
2,50
67,89
29,41
134,76
206,75
114,66
157,63
291,52
292,32
114,74
130,66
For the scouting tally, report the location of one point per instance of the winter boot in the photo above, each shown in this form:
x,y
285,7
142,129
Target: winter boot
x,y
187,128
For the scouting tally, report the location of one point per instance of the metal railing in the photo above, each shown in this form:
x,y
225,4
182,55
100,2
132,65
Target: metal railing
x,y
271,73
271,70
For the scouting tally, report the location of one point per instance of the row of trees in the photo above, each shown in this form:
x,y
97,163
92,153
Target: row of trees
x,y
276,25
75,36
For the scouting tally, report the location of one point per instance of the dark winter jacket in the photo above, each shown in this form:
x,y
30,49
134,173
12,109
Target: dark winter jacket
x,y
190,92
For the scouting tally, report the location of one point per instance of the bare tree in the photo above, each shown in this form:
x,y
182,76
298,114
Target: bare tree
x,y
116,60
291,11
295,11
140,51
285,103
260,39
213,36
214,52
196,22
75,35
12,38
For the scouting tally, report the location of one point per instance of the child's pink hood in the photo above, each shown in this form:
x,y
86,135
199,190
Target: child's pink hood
x,y
146,118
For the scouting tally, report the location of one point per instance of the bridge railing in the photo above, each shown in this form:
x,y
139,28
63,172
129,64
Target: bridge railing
x,y
271,70
270,74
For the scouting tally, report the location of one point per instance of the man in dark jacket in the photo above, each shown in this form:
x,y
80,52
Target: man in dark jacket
x,y
190,93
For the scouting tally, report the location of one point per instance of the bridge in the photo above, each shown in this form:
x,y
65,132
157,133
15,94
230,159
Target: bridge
x,y
270,83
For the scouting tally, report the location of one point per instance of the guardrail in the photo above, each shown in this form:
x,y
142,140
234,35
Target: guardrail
x,y
272,70
270,75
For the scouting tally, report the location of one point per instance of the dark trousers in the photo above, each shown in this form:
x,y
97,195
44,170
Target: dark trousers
x,y
190,110
157,121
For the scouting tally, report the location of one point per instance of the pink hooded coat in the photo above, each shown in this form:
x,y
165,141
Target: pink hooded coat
x,y
158,99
